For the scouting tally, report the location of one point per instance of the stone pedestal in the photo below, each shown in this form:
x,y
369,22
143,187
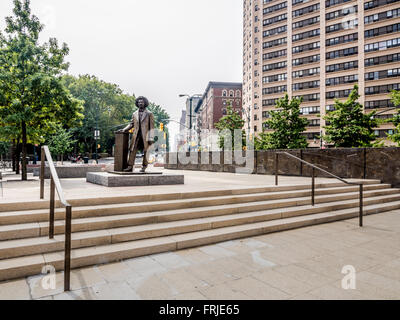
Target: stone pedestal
x,y
121,151
109,179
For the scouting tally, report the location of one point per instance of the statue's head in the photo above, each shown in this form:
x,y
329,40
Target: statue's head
x,y
142,103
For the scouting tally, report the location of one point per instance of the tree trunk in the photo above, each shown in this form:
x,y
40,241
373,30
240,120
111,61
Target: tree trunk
x,y
13,156
24,175
17,156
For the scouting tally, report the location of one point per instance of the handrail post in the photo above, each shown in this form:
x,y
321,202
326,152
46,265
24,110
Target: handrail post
x,y
42,166
276,168
313,188
67,257
361,204
52,206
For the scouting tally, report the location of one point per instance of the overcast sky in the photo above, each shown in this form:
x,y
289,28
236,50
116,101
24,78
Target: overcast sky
x,y
155,48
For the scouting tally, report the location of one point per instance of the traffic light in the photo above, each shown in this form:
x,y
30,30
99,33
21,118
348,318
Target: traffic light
x,y
165,136
161,126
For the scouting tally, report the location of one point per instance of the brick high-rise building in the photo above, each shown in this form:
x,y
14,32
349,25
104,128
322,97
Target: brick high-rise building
x,y
319,50
213,105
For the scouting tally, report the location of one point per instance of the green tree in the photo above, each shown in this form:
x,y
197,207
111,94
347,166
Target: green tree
x,y
287,126
107,107
60,143
348,126
396,119
160,116
231,122
4,147
32,98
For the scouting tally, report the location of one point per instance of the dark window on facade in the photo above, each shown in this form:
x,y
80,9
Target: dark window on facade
x,y
382,16
351,24
274,54
274,31
272,90
378,104
338,94
382,30
376,3
310,97
275,19
306,22
274,66
331,3
376,75
276,7
341,13
382,89
269,102
314,122
342,53
382,60
382,45
307,34
342,39
305,60
306,72
275,78
273,43
342,80
300,12
305,85
306,47
310,110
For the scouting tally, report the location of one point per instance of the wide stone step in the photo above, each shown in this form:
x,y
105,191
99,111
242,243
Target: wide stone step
x,y
31,216
44,204
33,264
20,231
23,247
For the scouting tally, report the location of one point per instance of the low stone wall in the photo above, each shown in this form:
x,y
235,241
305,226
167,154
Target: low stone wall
x,y
363,163
70,172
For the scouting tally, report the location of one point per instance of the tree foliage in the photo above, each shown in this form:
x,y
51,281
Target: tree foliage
x,y
4,147
160,116
107,108
61,142
348,126
231,122
33,100
287,126
396,119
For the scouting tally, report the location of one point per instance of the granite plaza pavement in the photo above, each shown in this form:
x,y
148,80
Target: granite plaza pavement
x,y
304,263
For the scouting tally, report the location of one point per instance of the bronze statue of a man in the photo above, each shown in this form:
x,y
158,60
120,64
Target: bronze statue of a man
x,y
143,125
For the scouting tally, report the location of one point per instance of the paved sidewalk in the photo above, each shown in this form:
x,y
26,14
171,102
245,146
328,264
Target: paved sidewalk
x,y
299,264
15,191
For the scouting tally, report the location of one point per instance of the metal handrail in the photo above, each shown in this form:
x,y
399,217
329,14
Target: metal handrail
x,y
56,185
314,167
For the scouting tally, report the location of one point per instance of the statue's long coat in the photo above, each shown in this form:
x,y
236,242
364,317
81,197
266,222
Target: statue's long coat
x,y
147,126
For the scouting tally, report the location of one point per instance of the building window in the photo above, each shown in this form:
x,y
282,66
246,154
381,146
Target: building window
x,y
224,93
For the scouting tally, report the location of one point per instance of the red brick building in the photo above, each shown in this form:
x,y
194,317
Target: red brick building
x,y
213,105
